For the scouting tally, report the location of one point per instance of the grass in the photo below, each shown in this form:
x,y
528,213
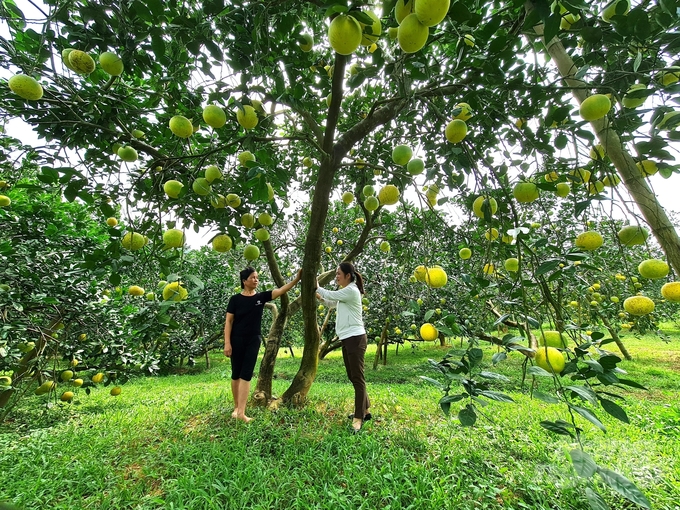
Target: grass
x,y
169,442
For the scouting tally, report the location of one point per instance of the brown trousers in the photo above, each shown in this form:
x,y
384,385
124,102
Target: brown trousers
x,y
353,352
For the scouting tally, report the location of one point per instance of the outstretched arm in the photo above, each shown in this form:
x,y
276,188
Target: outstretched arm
x,y
283,290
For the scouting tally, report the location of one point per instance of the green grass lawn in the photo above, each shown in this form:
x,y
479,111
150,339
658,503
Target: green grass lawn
x,y
169,442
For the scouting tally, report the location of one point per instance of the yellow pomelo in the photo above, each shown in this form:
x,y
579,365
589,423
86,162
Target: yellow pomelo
x,y
115,391
611,181
135,290
127,154
213,173
653,269
111,63
248,220
77,382
465,253
173,238
388,195
81,62
402,9
552,339
491,234
595,187
671,291
245,156
262,234
562,189
511,264
482,203
371,203
402,154
420,273
428,332
173,188
456,130
412,34
632,235
64,57
463,111
385,247
370,33
436,277
26,87
97,378
344,34
181,126
233,200
550,359
175,292
589,241
630,101
222,243
579,175
247,117
251,252
265,219
66,375
638,305
431,12
347,197
201,186
669,76
307,162
67,396
551,177
647,167
214,116
133,241
111,222
595,107
525,192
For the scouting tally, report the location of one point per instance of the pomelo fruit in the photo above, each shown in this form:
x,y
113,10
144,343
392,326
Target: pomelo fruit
x,y
402,154
172,188
135,290
344,34
431,12
412,34
81,62
436,277
388,194
589,241
550,359
595,107
632,235
638,305
671,291
181,126
111,63
221,243
133,241
247,117
483,203
214,116
251,252
127,154
465,253
525,192
175,292
428,332
456,131
653,269
173,238
25,87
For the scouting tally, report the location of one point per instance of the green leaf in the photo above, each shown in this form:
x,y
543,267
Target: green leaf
x,y
557,428
584,465
538,371
623,486
467,416
493,375
499,397
614,409
585,393
595,500
433,381
588,415
546,397
547,266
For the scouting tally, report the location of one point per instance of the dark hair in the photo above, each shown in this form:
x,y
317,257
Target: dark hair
x,y
355,276
245,274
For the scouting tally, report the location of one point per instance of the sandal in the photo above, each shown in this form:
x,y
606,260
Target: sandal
x,y
366,418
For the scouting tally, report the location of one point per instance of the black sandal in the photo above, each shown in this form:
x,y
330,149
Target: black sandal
x,y
366,418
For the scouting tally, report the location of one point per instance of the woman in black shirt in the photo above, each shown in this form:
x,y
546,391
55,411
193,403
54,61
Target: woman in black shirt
x,y
242,334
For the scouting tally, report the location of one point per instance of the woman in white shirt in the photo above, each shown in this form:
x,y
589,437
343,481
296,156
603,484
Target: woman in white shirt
x,y
349,326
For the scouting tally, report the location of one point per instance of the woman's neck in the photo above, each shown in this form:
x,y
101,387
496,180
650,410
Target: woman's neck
x,y
248,292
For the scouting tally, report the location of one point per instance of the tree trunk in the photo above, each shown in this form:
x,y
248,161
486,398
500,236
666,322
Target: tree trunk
x,y
616,338
636,184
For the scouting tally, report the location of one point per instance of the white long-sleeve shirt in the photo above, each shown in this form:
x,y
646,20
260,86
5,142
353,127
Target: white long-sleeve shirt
x,y
349,321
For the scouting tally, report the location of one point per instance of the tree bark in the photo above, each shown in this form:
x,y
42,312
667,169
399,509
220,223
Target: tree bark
x,y
635,183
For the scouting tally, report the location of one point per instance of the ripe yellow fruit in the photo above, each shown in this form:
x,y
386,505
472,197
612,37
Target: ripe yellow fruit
x,y
307,162
369,34
465,253
402,154
328,249
111,63
402,9
265,219
491,234
633,101
66,375
420,273
436,277
589,241
201,186
172,188
133,241
5,201
653,269
173,238
127,154
671,291
45,387
669,76
595,107
221,243
181,126
344,34
415,166
270,192
67,396
579,175
214,116
115,391
595,187
550,359
111,222
638,305
482,203
431,12
388,195
251,252
647,167
456,131
97,378
135,290
463,111
632,235
248,220
245,156
525,192
371,204
611,181
81,62
568,20
26,87
489,269
412,34
306,42
247,117
511,264
551,177
469,40
347,197
428,332
385,247
175,292
552,339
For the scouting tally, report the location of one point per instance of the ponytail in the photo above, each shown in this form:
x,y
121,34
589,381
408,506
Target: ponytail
x,y
355,276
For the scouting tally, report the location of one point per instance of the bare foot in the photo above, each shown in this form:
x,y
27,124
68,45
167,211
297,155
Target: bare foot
x,y
244,418
356,424
234,414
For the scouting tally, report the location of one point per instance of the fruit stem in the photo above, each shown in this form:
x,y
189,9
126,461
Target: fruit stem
x,y
109,83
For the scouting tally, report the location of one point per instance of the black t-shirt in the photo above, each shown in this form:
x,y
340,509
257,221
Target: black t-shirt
x,y
247,312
